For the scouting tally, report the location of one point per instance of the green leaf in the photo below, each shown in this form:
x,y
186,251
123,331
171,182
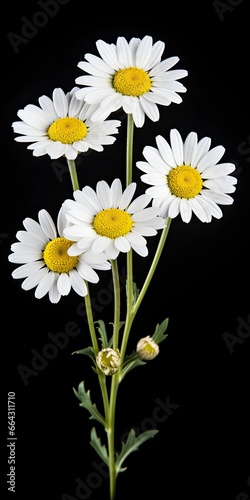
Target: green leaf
x,y
89,351
100,448
131,362
136,292
84,397
102,330
159,334
132,444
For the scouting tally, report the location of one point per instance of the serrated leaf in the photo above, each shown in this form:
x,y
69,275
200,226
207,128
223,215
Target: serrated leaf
x,y
102,330
132,444
89,351
100,448
131,362
84,397
159,334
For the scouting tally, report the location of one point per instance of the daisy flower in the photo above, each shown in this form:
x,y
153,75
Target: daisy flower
x,y
62,126
46,265
186,177
130,75
107,220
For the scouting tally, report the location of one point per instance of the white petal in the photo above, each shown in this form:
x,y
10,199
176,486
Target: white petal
x,y
47,224
45,284
27,269
63,284
86,272
104,194
100,244
174,208
78,284
166,152
185,210
34,279
127,196
122,244
60,102
139,203
210,158
177,146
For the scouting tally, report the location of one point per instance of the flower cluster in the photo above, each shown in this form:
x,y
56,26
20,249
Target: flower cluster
x,y
184,176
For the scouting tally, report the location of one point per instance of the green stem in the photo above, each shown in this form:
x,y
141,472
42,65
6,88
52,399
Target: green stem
x,y
101,376
91,321
133,309
111,435
73,174
153,266
117,303
129,149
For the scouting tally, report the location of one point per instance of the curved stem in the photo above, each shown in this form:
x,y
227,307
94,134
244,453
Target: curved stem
x,y
73,174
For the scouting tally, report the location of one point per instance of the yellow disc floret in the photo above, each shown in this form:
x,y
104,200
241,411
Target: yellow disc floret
x,y
67,130
56,256
132,81
112,223
184,181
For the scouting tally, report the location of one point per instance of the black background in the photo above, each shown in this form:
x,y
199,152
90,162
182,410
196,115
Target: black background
x,y
201,284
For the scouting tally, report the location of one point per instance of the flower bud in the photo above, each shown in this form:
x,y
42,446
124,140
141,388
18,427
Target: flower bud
x,y
108,360
147,348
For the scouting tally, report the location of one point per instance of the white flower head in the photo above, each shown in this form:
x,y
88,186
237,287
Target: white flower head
x,y
107,220
147,348
62,126
186,178
108,360
46,265
132,76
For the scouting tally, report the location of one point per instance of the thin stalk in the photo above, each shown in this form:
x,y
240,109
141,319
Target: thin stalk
x,y
129,149
117,303
101,376
73,174
153,266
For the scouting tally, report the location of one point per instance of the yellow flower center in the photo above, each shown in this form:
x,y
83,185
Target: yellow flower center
x,y
132,81
67,130
112,222
56,256
184,181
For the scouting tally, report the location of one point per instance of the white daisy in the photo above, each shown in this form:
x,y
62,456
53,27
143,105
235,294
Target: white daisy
x,y
62,126
130,75
186,177
107,220
46,265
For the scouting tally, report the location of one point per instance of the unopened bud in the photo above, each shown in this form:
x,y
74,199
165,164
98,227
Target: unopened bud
x,y
108,360
147,348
